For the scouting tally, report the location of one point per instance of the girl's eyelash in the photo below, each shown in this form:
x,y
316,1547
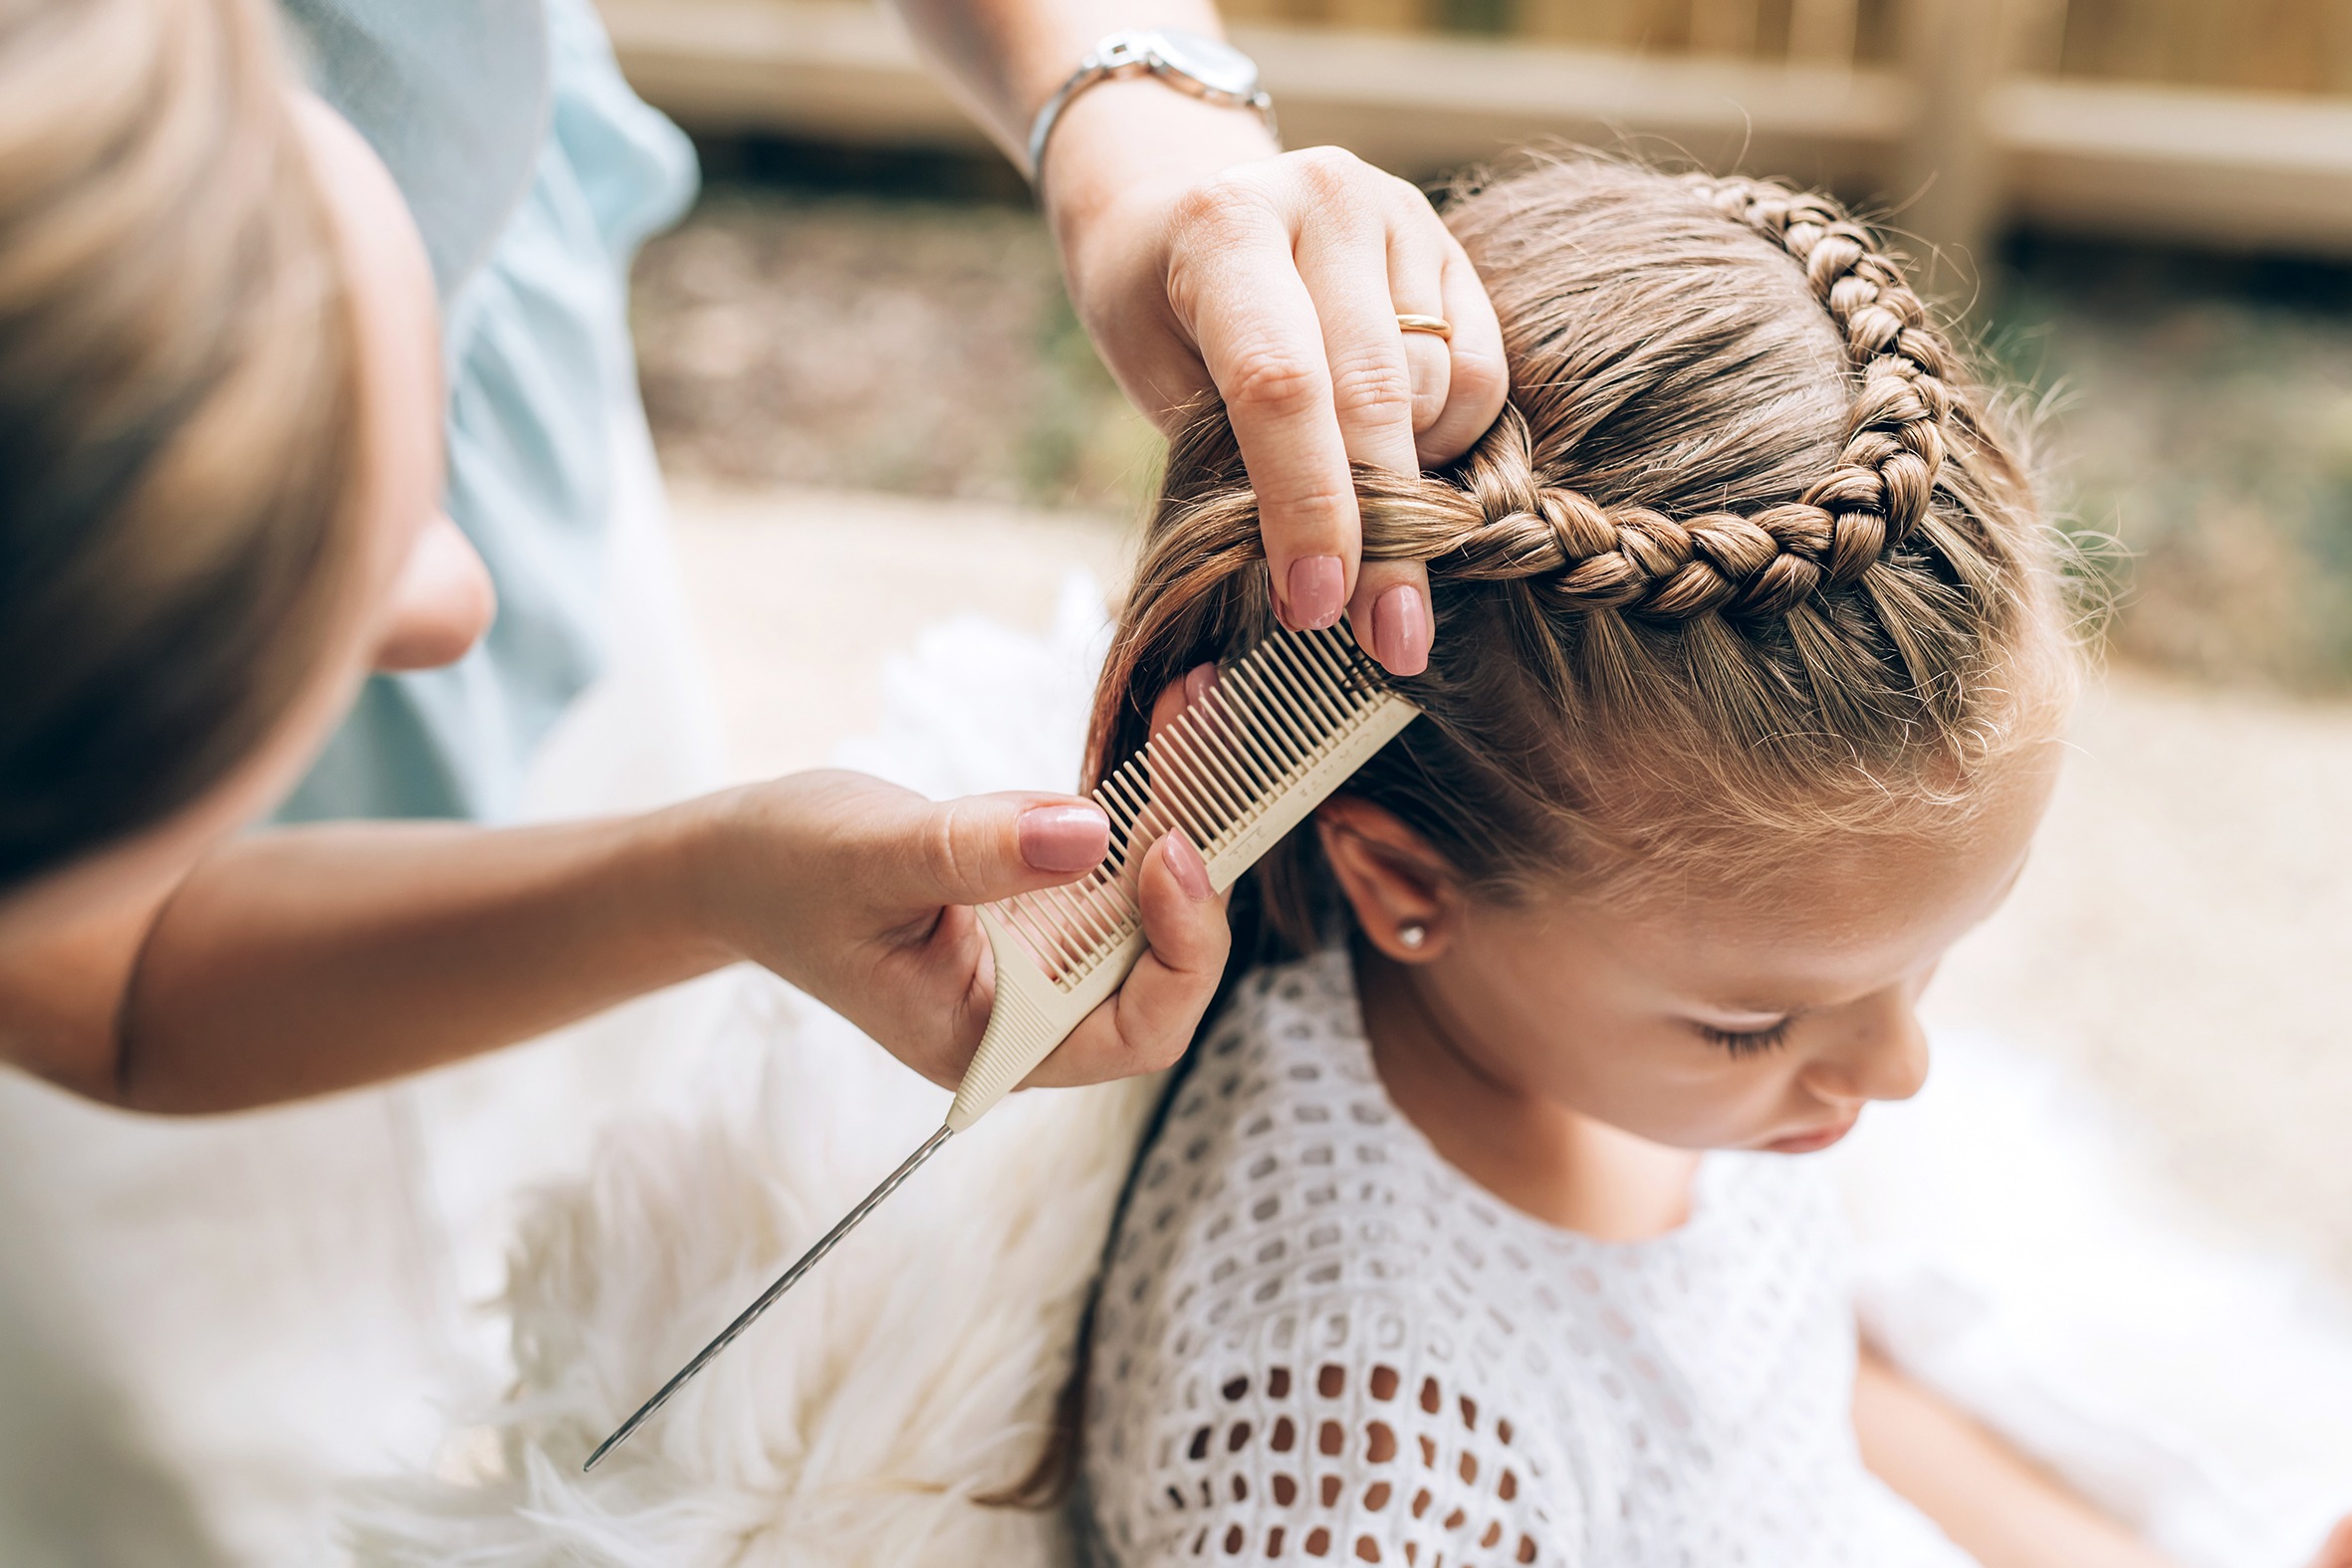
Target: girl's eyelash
x,y
1747,1043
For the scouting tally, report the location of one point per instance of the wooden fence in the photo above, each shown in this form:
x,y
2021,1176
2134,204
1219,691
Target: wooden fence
x,y
2284,46
2217,122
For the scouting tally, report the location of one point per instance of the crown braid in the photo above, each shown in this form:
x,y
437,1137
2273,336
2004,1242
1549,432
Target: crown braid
x,y
1638,560
1748,567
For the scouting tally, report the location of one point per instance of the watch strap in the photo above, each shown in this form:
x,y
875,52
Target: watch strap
x,y
1123,53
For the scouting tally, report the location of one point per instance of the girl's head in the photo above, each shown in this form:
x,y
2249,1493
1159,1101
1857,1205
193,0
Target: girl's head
x,y
220,418
1751,656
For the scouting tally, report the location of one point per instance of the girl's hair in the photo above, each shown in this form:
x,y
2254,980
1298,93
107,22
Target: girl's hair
x,y
1744,564
178,407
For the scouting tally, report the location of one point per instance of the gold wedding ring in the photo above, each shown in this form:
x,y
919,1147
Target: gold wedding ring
x,y
1436,325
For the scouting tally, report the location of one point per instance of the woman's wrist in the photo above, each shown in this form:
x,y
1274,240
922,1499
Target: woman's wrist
x,y
1132,135
690,860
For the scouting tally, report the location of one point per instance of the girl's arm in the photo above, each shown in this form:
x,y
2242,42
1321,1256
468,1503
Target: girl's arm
x,y
298,962
1996,1507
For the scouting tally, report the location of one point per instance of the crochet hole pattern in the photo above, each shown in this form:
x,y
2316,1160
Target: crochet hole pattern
x,y
1322,1482
1337,1436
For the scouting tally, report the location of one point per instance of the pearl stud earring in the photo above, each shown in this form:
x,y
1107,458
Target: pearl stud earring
x,y
1412,934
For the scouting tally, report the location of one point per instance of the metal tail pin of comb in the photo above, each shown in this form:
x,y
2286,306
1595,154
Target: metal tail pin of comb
x,y
1282,727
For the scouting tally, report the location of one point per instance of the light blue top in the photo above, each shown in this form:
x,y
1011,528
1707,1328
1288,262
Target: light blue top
x,y
534,174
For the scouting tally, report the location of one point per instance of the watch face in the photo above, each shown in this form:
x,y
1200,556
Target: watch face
x,y
1215,66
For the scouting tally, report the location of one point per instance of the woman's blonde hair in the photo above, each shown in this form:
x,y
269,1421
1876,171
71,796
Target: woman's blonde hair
x,y
178,412
1744,565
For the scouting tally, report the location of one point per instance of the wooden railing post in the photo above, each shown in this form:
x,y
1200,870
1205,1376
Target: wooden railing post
x,y
1821,31
1946,188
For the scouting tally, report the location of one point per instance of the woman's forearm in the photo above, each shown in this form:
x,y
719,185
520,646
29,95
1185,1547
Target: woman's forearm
x,y
309,960
1996,1507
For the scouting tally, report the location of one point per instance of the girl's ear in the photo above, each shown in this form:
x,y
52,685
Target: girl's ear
x,y
1404,896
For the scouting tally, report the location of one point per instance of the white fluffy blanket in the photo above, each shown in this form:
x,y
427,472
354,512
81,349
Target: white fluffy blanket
x,y
2016,1255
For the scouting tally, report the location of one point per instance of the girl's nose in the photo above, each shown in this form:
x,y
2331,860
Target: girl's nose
x,y
1876,1050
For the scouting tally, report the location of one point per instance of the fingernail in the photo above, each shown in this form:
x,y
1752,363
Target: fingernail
x,y
1063,837
1198,683
1191,872
1400,632
1318,592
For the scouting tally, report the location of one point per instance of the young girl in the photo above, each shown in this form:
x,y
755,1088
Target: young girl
x,y
1476,1233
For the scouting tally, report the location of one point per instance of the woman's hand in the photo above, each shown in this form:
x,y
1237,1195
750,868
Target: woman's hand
x,y
859,893
1274,282
1202,259
303,960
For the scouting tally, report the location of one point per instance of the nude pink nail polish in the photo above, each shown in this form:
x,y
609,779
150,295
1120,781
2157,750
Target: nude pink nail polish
x,y
1316,593
1063,837
1190,870
1400,632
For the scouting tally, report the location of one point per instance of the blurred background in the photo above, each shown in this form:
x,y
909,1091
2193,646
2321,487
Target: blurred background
x,y
861,370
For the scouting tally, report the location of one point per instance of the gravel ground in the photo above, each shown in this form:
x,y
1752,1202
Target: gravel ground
x,y
2201,415
910,347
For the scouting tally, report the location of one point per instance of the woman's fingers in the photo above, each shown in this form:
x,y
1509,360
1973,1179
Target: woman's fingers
x,y
1234,282
1147,1024
1344,256
1367,249
984,847
1170,705
1391,614
1418,251
1478,377
1285,277
1390,611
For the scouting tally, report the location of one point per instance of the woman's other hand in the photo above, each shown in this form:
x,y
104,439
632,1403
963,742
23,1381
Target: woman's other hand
x,y
861,893
1200,264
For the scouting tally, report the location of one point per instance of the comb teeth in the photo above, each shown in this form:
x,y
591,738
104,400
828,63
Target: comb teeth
x,y
1284,726
1212,773
1242,766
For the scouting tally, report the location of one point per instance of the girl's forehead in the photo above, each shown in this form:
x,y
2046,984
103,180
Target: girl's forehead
x,y
1829,920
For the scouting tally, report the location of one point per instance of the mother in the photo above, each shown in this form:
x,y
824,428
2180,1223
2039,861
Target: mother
x,y
221,408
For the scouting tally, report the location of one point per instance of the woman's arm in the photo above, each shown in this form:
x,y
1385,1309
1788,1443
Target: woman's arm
x,y
303,960
1996,1507
1201,262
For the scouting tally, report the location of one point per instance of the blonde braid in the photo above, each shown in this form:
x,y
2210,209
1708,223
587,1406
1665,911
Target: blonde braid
x,y
1637,561
1750,565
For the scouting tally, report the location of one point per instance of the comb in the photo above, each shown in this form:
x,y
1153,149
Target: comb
x,y
1247,762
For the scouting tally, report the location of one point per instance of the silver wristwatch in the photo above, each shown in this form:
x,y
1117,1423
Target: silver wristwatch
x,y
1187,62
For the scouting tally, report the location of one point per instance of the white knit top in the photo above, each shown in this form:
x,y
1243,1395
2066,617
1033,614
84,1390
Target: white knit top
x,y
1319,1341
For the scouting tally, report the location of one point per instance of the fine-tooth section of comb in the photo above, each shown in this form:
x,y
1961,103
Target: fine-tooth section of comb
x,y
1279,729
